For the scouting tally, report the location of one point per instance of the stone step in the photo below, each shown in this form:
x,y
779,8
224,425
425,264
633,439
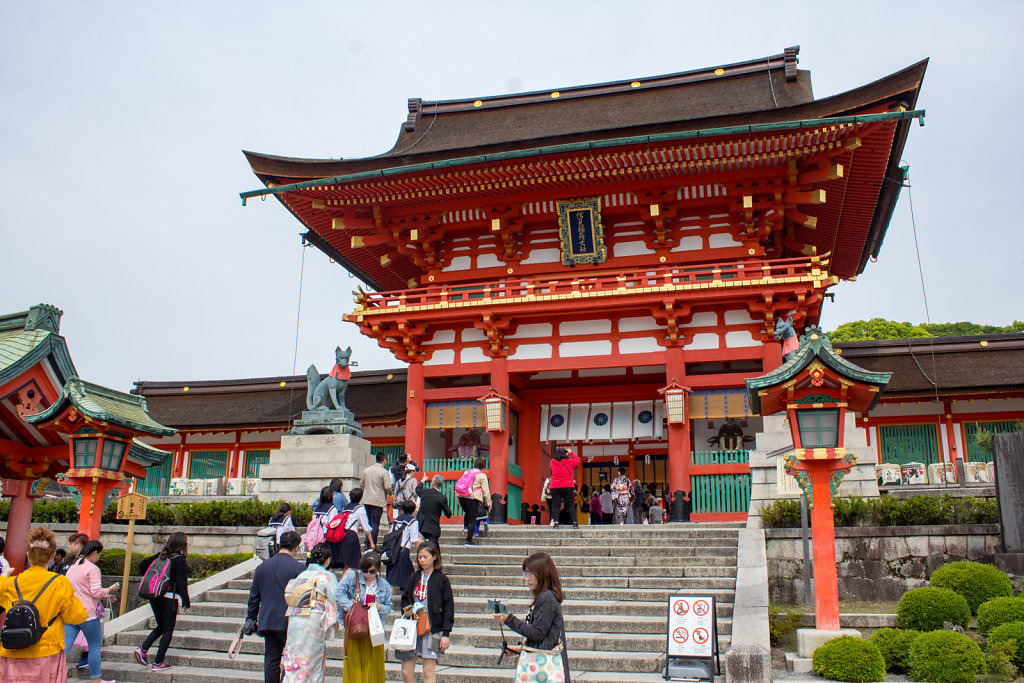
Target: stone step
x,y
457,655
215,667
685,566
562,562
569,538
520,551
582,623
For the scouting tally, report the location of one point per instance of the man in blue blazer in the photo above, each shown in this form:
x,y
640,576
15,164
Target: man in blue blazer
x,y
267,606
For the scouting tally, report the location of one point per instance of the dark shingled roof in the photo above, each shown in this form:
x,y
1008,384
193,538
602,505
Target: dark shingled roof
x,y
962,364
263,402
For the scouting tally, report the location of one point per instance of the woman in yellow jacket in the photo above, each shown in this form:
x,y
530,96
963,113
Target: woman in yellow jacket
x,y
44,661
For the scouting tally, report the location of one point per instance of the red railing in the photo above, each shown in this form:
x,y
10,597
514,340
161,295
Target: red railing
x,y
551,286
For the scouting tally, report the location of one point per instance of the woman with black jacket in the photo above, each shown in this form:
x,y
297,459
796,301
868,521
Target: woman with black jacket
x,y
543,627
432,589
165,608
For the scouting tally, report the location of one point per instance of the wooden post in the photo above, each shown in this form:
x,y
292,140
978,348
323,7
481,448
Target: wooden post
x,y
823,538
127,565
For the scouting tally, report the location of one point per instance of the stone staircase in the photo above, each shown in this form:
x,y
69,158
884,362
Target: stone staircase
x,y
616,578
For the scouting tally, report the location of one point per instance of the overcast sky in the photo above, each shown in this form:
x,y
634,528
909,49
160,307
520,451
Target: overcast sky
x,y
122,125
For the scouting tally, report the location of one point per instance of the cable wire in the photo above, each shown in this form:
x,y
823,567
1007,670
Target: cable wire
x,y
298,317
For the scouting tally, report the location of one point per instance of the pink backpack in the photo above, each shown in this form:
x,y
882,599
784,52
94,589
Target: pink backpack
x,y
315,530
464,486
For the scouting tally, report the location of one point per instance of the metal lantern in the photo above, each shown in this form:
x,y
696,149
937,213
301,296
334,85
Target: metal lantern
x,y
495,411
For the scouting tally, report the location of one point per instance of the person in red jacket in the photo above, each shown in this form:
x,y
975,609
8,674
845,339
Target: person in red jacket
x,y
563,484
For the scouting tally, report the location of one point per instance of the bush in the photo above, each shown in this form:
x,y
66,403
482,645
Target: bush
x,y
894,644
945,657
999,658
1010,632
111,563
245,512
998,611
781,624
977,582
849,659
926,608
889,511
782,513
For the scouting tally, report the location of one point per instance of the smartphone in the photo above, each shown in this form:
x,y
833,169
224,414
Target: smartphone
x,y
435,642
497,606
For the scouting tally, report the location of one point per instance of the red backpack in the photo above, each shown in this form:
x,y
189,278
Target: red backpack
x,y
336,527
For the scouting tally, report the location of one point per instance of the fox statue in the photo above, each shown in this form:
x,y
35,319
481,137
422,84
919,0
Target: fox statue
x,y
330,393
785,333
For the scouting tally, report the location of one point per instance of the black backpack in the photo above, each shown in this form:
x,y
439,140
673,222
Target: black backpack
x,y
22,624
157,579
391,544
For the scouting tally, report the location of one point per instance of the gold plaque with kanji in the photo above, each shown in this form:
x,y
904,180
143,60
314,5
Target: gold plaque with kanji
x,y
132,506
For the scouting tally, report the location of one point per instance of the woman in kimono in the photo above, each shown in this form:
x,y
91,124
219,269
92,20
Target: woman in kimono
x,y
622,491
310,626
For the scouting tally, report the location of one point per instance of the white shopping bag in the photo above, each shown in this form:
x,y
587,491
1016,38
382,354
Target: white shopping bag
x,y
403,635
376,627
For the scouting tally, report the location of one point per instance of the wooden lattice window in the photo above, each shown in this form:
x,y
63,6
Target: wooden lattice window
x,y
974,451
900,444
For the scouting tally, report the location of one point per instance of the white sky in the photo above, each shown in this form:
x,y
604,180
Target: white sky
x,y
122,125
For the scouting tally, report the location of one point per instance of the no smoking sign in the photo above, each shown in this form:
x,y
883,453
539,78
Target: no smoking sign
x,y
691,626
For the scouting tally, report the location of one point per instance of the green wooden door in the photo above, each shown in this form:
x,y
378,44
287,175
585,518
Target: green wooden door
x,y
721,493
254,460
975,452
207,464
901,444
158,479
393,451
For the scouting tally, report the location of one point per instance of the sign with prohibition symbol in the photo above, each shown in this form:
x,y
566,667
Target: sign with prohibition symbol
x,y
692,626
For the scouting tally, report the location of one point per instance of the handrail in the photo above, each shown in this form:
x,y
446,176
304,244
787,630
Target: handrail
x,y
668,277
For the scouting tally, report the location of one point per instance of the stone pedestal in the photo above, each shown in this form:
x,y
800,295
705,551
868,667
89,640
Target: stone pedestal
x,y
305,464
810,639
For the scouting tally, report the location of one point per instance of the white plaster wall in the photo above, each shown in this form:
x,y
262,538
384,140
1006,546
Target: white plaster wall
x,y
389,431
638,324
720,240
690,243
441,357
738,317
995,405
473,354
442,337
641,345
487,261
460,263
471,334
705,319
738,338
587,348
630,249
703,341
600,372
553,374
536,330
906,409
532,352
569,329
543,256
649,370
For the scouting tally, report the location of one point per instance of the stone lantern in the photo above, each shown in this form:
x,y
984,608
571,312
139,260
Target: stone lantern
x,y
818,389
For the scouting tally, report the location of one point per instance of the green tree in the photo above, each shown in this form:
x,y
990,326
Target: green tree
x,y
876,328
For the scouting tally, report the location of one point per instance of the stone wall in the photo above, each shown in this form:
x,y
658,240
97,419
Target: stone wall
x,y
202,540
878,563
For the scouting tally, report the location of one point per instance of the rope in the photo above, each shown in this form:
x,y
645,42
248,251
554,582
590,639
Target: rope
x,y
770,84
298,317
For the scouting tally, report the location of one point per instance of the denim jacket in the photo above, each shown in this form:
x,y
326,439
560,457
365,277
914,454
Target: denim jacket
x,y
352,589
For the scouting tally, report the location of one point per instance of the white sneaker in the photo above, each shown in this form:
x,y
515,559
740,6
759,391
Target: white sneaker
x,y
552,523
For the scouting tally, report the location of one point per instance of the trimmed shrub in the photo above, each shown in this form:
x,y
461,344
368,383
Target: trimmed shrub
x,y
894,644
977,582
889,511
926,608
1011,632
998,658
998,611
849,659
199,566
781,513
945,657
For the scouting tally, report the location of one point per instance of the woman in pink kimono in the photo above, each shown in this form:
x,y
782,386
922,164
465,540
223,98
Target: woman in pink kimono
x,y
311,625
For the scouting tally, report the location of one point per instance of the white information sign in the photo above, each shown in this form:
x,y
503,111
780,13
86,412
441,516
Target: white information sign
x,y
691,626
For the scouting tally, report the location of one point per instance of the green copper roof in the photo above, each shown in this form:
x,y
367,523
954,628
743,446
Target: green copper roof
x,y
146,455
28,337
814,343
105,405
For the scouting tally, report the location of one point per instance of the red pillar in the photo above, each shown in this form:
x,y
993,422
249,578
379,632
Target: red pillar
x,y
19,520
678,433
499,440
823,540
93,494
415,413
530,453
772,356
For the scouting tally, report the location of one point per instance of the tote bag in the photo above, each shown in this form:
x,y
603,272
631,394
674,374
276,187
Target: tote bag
x,y
403,635
376,627
536,666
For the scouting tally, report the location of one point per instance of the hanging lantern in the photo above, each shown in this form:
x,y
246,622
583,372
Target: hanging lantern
x,y
675,402
495,411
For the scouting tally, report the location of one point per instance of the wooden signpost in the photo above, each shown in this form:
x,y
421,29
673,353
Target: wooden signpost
x,y
130,506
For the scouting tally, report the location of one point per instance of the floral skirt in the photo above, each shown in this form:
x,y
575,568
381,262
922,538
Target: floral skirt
x,y
52,669
364,662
